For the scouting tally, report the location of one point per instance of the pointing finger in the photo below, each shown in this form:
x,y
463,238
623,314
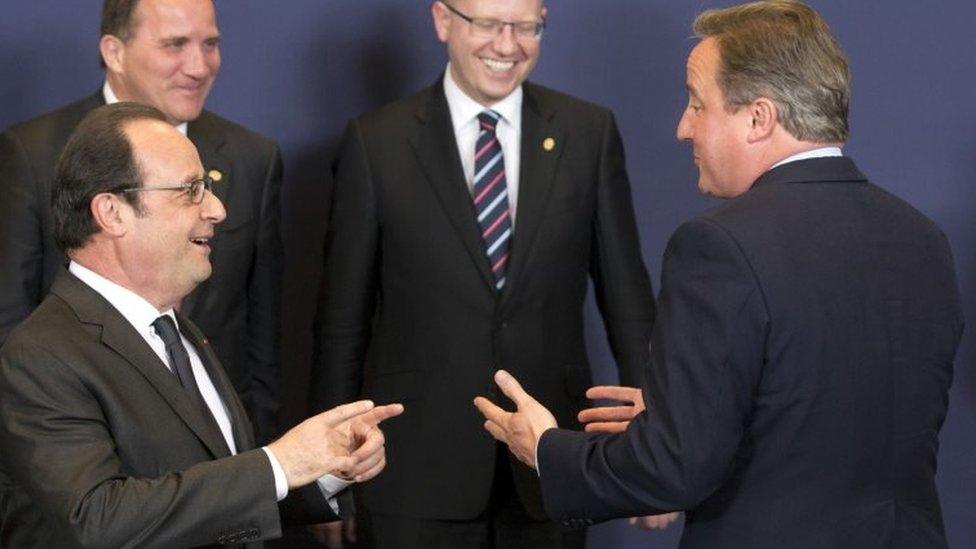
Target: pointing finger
x,y
339,414
491,411
512,388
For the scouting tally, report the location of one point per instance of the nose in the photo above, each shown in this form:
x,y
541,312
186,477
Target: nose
x,y
683,132
506,42
200,64
212,209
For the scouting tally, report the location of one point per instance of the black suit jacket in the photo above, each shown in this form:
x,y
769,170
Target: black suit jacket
x,y
799,378
102,446
408,311
238,307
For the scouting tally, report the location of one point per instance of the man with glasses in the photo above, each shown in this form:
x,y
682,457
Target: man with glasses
x,y
164,53
465,220
119,427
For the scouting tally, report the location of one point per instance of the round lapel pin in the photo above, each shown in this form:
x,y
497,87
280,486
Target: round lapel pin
x,y
549,144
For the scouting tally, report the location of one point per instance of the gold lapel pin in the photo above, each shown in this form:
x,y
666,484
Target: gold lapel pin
x,y
215,175
548,144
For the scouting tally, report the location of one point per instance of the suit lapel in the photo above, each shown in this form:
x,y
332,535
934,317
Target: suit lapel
x,y
210,143
122,337
436,150
538,169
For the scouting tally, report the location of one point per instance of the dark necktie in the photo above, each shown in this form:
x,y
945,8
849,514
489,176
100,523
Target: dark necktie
x,y
491,196
178,357
180,361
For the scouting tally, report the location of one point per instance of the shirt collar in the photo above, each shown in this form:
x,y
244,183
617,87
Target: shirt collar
x,y
822,152
139,312
464,109
110,98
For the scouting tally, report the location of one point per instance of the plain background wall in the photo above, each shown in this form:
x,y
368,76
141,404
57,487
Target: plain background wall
x,y
297,70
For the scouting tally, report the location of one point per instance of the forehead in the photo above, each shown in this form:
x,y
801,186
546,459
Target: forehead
x,y
500,8
161,151
174,17
703,62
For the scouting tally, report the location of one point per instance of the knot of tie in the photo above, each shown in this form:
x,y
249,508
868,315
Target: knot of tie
x,y
179,358
167,330
488,120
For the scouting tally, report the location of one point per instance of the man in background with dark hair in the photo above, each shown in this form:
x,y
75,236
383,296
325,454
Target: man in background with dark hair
x,y
803,352
164,53
119,427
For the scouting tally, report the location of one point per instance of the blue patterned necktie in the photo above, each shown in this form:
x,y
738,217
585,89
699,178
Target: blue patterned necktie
x,y
491,196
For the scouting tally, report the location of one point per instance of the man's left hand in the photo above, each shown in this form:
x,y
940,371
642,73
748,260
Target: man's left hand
x,y
522,429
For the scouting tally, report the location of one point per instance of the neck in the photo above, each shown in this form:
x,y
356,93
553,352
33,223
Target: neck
x,y
93,258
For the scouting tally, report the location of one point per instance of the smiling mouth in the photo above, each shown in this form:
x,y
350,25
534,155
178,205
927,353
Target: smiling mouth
x,y
495,65
203,242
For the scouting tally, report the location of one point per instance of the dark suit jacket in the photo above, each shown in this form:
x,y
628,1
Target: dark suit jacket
x,y
238,307
799,378
408,297
102,446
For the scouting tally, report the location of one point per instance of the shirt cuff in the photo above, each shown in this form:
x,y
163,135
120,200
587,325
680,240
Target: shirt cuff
x,y
281,481
538,471
330,486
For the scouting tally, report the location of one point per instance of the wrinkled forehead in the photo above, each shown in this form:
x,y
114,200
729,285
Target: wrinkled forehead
x,y
703,63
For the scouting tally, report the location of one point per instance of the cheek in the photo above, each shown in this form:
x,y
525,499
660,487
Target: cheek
x,y
213,61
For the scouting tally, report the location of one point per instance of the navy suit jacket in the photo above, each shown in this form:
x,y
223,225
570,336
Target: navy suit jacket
x,y
799,377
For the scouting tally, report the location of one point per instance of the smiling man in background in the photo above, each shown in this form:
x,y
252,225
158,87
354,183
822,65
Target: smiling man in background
x,y
164,53
465,222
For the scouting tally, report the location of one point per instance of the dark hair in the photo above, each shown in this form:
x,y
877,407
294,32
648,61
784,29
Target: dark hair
x,y
98,158
783,50
118,18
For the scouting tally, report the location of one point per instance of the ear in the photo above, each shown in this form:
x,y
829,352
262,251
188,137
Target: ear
x,y
442,20
764,117
113,52
110,214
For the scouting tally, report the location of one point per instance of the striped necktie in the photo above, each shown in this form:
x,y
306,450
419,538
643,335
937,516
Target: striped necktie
x,y
491,196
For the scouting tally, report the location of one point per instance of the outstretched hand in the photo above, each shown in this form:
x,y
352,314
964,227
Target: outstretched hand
x,y
521,429
612,419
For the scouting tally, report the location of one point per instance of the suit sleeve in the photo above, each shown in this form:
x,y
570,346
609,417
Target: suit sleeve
x,y
347,298
59,446
707,351
21,245
264,308
622,287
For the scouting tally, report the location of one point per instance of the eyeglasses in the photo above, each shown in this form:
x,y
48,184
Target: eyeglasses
x,y
195,189
490,28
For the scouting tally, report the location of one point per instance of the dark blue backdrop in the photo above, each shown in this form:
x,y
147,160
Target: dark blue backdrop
x,y
298,70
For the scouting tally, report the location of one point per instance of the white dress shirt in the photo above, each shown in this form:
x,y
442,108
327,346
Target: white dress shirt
x,y
110,98
822,152
464,116
141,314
